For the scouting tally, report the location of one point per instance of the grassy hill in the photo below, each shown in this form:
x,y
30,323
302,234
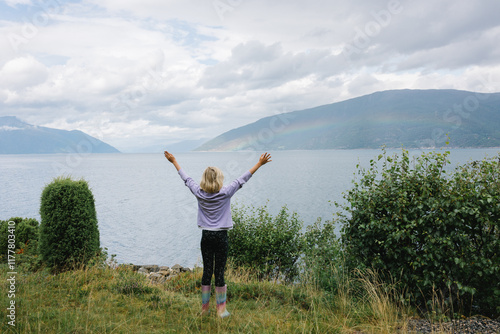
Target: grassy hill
x,y
106,300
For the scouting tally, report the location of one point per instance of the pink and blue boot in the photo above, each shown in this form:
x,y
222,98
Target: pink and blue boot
x,y
220,295
205,299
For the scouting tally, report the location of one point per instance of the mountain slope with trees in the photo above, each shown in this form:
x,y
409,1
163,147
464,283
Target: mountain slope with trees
x,y
409,118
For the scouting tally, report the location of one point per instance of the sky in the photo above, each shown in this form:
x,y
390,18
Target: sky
x,y
150,73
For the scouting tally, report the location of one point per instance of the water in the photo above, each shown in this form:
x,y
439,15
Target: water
x,y
147,216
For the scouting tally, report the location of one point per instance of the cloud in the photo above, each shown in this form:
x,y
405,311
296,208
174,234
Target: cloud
x,y
253,65
14,3
172,70
21,73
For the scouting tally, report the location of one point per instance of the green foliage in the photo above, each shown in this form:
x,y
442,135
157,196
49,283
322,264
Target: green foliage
x,y
267,291
69,234
132,285
25,232
322,256
475,208
438,234
269,245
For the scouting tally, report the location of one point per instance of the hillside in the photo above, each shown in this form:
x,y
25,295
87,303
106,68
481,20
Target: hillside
x,y
409,118
18,137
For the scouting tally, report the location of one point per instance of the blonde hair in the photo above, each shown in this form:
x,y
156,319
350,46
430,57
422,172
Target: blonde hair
x,y
212,180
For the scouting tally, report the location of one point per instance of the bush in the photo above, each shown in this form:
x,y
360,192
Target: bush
x,y
25,232
69,235
436,234
269,245
322,261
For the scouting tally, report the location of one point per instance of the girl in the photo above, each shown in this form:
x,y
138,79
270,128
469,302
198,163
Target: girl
x,y
214,218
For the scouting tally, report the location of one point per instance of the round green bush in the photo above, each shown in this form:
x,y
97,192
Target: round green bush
x,y
69,235
437,232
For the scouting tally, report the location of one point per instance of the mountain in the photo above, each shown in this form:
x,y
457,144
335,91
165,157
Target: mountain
x,y
186,145
18,137
395,118
177,147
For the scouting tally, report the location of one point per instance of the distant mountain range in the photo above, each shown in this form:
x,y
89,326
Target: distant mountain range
x,y
181,146
18,137
408,118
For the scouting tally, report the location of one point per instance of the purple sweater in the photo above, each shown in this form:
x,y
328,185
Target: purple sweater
x,y
214,210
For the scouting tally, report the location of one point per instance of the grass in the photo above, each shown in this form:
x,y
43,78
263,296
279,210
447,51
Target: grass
x,y
105,300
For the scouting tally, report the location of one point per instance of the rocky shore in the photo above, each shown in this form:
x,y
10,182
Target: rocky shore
x,y
158,274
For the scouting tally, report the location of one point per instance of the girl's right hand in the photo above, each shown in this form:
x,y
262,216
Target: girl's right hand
x,y
170,157
265,158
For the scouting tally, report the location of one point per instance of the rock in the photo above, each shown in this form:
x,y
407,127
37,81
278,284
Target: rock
x,y
155,275
151,268
164,272
177,267
158,274
143,270
157,278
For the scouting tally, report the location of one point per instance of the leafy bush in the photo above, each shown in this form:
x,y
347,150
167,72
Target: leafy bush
x,y
475,208
269,245
68,232
322,260
436,234
25,234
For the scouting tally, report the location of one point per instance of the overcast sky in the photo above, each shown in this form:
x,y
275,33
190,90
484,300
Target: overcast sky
x,y
154,72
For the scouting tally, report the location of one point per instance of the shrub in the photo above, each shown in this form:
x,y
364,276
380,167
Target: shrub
x,y
322,261
25,232
69,234
436,233
269,245
475,210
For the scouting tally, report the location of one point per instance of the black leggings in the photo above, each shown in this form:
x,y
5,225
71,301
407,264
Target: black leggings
x,y
214,246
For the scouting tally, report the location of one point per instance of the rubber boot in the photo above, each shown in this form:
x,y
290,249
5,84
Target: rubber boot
x,y
205,299
220,295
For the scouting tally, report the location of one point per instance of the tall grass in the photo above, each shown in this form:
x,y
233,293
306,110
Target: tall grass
x,y
358,300
103,300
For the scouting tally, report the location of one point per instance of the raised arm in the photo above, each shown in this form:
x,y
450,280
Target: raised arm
x,y
264,159
170,157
